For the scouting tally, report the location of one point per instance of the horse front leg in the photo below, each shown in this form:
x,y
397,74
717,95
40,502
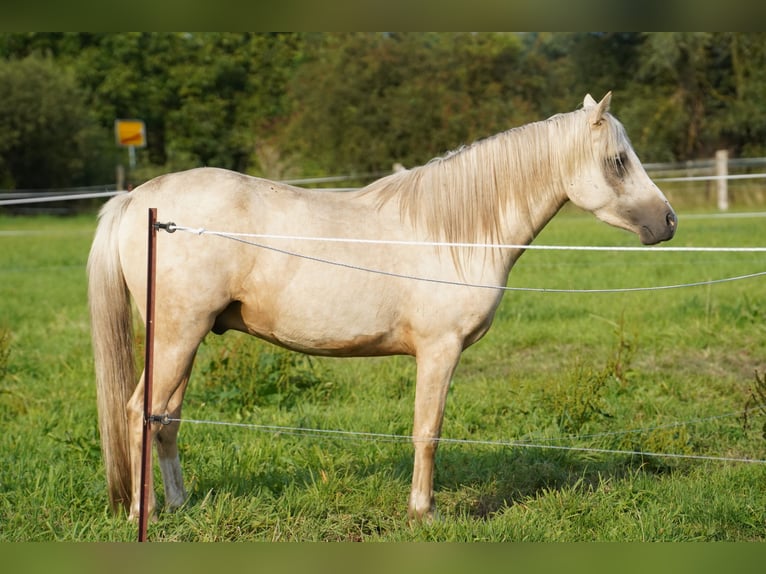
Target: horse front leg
x,y
435,368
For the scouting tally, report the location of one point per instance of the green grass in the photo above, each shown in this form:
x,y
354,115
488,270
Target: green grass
x,y
556,369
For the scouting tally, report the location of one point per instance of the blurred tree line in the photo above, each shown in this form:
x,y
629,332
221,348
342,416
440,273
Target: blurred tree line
x,y
290,104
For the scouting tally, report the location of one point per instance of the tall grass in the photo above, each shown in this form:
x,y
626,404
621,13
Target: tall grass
x,y
661,372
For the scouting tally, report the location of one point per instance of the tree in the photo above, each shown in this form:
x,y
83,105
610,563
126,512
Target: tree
x,y
738,116
45,125
695,92
230,90
364,101
311,103
206,98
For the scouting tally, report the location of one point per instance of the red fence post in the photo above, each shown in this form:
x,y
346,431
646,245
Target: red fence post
x,y
146,453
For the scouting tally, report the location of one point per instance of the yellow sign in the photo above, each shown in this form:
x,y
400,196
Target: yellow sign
x,y
130,133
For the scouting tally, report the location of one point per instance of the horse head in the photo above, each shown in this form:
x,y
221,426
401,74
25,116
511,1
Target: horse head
x,y
613,185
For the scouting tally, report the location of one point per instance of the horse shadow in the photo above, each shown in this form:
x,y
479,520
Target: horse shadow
x,y
478,484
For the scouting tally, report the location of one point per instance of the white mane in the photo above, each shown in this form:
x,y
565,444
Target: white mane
x,y
460,196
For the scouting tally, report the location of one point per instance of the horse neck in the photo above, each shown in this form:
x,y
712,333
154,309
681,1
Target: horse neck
x,y
532,174
503,189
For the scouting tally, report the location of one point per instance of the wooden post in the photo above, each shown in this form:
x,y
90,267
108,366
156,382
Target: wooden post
x,y
146,451
721,172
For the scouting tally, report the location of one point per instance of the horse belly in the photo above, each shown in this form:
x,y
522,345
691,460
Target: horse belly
x,y
329,327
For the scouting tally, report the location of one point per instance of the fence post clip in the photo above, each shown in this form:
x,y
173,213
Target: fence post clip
x,y
170,227
162,419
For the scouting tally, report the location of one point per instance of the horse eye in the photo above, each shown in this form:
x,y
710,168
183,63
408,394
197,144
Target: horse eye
x,y
620,164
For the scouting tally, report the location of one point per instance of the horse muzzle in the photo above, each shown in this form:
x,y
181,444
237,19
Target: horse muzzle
x,y
663,231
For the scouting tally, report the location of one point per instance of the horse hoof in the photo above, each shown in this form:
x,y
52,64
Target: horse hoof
x,y
133,517
422,517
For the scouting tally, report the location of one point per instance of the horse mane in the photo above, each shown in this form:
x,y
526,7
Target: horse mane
x,y
461,197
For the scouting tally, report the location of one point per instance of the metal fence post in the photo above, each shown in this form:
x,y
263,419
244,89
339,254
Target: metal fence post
x,y
146,451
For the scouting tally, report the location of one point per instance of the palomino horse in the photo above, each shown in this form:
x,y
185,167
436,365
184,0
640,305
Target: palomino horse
x,y
500,190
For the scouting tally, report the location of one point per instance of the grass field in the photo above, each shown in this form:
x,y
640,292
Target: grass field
x,y
660,372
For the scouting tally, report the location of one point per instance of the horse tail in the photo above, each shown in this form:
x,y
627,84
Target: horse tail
x,y
112,334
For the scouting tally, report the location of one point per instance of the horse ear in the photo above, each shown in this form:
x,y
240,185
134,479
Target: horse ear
x,y
599,109
588,102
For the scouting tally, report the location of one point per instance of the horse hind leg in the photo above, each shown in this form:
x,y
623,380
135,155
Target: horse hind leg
x,y
172,368
167,449
434,373
135,411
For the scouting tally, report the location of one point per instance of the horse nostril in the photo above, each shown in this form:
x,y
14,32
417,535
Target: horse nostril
x,y
671,219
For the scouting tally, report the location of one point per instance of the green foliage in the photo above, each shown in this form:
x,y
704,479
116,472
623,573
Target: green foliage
x,y
245,374
578,399
48,132
5,352
366,101
756,404
206,98
284,105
